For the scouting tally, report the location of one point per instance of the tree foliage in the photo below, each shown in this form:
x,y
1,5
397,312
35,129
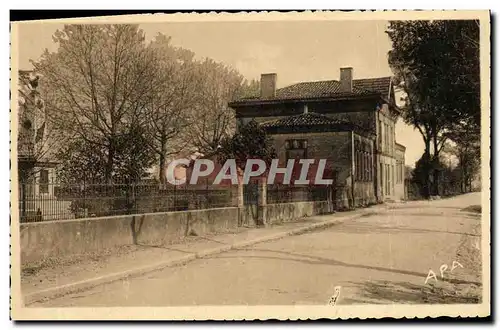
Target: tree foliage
x,y
105,84
436,66
250,142
172,97
86,162
212,120
97,82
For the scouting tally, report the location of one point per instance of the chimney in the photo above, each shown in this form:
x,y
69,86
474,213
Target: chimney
x,y
346,80
268,85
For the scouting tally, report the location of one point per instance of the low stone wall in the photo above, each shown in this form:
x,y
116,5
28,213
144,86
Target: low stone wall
x,y
283,212
63,238
40,240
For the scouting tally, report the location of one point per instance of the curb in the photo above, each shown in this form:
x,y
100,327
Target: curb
x,y
59,291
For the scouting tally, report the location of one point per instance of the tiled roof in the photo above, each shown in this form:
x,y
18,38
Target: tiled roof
x,y
304,119
379,85
329,88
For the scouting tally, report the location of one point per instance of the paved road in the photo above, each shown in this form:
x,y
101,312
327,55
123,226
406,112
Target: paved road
x,y
377,259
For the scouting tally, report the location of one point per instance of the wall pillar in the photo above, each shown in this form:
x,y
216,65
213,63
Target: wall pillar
x,y
262,203
239,195
240,202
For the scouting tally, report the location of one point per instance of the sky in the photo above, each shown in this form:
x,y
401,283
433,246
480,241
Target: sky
x,y
295,50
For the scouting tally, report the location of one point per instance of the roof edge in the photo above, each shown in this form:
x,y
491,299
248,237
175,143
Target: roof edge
x,y
319,128
400,146
240,103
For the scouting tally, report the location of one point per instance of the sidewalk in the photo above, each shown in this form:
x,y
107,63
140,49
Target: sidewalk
x,y
134,260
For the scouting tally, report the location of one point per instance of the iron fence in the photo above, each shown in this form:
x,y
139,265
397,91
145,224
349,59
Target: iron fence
x,y
278,193
64,201
40,200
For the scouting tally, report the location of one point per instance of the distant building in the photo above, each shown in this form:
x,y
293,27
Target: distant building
x,y
400,191
349,122
36,169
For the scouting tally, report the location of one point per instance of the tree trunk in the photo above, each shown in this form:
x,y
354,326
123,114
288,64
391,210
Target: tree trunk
x,y
163,162
427,154
435,167
110,162
162,169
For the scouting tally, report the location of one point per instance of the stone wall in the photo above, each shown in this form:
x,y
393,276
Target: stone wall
x,y
62,238
284,212
40,240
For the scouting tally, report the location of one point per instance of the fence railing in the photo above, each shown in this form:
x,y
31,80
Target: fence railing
x,y
63,201
48,201
278,193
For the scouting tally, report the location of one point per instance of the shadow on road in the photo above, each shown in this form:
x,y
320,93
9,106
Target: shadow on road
x,y
472,208
315,260
164,247
371,228
407,293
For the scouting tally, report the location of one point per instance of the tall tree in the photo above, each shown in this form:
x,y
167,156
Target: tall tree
x,y
467,149
171,99
212,120
96,83
436,66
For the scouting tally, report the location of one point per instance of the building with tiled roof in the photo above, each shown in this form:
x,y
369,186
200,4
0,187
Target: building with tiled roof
x,y
304,119
311,121
350,122
326,89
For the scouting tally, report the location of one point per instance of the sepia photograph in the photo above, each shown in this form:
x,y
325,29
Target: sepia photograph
x,y
242,166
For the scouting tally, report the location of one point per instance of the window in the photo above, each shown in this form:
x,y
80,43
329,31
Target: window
x,y
400,176
370,166
380,178
364,166
358,166
387,138
296,149
44,182
400,172
393,177
296,144
387,180
363,161
367,166
358,161
380,136
397,171
391,139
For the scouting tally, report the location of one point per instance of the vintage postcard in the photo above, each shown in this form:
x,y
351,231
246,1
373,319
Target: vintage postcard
x,y
242,166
